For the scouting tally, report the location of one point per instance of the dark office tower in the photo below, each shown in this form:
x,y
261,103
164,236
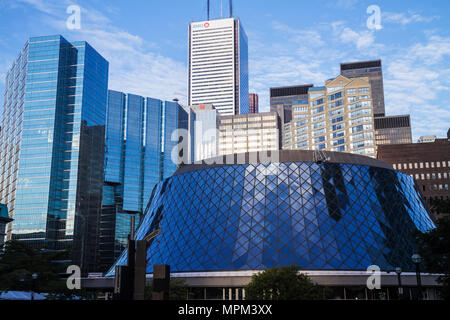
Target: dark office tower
x,y
393,130
282,99
138,155
253,103
52,144
373,70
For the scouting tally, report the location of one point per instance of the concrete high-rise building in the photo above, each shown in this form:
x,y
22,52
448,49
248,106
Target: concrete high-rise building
x,y
138,155
373,70
248,133
203,142
393,130
52,145
335,117
253,103
218,65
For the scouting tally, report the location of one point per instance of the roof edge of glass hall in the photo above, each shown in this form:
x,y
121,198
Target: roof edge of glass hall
x,y
280,156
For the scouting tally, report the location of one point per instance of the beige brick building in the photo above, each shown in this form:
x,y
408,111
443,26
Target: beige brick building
x,y
336,117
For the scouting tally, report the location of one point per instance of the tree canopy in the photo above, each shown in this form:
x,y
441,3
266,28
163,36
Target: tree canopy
x,y
434,247
284,283
18,263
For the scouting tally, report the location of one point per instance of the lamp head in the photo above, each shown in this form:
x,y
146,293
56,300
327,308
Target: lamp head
x,y
416,258
398,270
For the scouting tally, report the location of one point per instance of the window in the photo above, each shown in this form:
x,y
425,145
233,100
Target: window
x,y
318,125
317,102
318,132
318,110
301,144
318,118
337,119
416,165
364,90
360,120
359,105
335,96
336,104
301,123
427,165
421,165
432,164
351,91
300,116
337,134
364,97
336,112
410,165
351,99
338,142
319,139
422,176
301,137
339,126
339,149
300,109
394,166
360,112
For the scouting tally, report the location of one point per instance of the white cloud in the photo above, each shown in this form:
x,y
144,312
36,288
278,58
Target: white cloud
x,y
362,39
135,64
406,18
415,82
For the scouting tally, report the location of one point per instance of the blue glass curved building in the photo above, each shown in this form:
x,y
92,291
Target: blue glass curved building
x,y
347,213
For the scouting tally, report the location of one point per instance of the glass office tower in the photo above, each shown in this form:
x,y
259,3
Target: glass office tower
x,y
52,145
138,155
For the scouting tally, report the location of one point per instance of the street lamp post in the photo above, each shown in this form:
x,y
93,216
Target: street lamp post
x,y
398,271
34,276
417,259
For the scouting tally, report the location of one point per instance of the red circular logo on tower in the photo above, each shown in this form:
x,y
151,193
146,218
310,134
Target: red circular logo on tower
x,y
206,25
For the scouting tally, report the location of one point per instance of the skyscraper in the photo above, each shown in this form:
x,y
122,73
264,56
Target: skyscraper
x,y
253,103
393,130
373,70
52,145
218,65
139,148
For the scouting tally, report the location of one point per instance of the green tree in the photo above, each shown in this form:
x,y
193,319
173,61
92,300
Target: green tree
x,y
434,247
18,263
284,283
178,290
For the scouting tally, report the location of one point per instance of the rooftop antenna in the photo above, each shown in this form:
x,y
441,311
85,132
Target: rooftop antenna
x,y
231,8
221,14
207,9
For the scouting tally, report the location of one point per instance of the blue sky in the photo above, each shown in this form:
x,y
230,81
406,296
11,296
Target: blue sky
x,y
290,42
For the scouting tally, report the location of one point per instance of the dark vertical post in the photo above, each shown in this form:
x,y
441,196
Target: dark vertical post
x,y
161,282
139,274
419,281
